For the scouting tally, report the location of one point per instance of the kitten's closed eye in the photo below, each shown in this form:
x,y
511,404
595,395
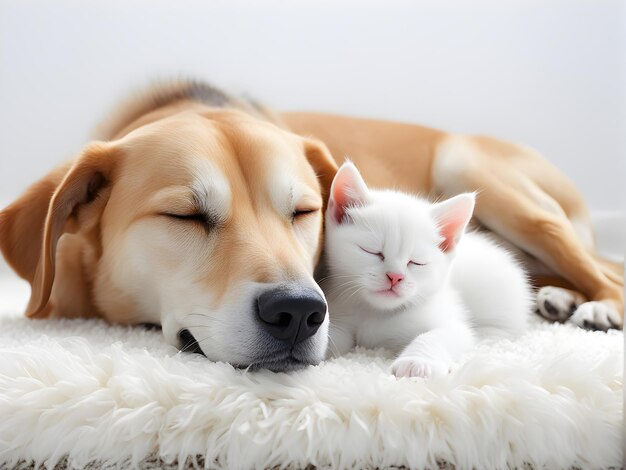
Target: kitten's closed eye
x,y
375,253
415,263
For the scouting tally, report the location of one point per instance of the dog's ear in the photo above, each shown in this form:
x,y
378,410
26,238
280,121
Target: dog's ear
x,y
323,164
31,227
21,224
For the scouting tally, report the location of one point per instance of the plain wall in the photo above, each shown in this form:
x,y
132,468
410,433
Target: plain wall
x,y
546,74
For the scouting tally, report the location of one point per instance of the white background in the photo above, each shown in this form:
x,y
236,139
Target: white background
x,y
546,74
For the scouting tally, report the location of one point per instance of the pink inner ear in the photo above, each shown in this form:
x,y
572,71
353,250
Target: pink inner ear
x,y
336,212
453,220
450,232
338,203
348,189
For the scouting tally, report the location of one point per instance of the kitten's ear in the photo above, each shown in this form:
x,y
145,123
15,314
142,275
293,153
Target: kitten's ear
x,y
348,189
452,217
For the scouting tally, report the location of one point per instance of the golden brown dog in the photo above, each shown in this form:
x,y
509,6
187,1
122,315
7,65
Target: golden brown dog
x,y
203,213
204,219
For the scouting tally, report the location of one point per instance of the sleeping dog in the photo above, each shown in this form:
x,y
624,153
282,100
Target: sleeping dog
x,y
203,213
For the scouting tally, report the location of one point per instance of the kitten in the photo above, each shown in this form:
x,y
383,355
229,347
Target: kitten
x,y
401,274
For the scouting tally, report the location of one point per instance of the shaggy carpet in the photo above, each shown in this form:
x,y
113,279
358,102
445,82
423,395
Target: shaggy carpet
x,y
82,393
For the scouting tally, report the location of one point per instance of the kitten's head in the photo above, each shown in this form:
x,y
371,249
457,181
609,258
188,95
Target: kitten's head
x,y
387,248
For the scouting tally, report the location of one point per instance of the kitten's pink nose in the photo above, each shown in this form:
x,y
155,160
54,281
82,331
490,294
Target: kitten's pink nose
x,y
395,278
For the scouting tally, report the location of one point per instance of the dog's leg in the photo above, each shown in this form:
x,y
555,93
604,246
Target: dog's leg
x,y
552,239
599,315
611,269
513,206
558,303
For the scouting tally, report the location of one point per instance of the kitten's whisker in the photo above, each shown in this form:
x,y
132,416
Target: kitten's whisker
x,y
336,276
339,327
333,347
343,286
357,290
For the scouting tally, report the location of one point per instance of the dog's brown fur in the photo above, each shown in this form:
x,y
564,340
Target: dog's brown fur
x,y
522,197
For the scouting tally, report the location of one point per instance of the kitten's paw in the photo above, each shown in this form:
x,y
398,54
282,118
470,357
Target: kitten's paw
x,y
415,366
597,316
557,304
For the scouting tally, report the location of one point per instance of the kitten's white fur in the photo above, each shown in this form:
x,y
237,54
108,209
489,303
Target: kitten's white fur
x,y
454,285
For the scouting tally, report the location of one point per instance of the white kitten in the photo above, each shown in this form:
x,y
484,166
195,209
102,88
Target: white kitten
x,y
402,275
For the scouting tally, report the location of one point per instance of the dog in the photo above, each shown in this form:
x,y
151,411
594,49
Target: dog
x,y
202,213
197,214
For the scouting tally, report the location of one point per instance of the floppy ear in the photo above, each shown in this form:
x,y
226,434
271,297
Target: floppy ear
x,y
31,227
21,224
323,164
348,189
452,217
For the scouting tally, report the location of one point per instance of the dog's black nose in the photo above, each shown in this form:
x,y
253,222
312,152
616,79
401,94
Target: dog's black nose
x,y
291,315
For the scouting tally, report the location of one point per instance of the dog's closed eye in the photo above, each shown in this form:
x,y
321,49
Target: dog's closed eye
x,y
302,213
198,218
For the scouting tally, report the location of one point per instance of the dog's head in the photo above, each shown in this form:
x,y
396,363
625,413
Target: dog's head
x,y
208,222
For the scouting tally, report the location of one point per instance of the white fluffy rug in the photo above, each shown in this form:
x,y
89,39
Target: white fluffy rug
x,y
81,392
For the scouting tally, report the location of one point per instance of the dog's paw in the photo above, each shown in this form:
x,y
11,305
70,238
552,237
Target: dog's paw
x,y
557,304
415,366
597,316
